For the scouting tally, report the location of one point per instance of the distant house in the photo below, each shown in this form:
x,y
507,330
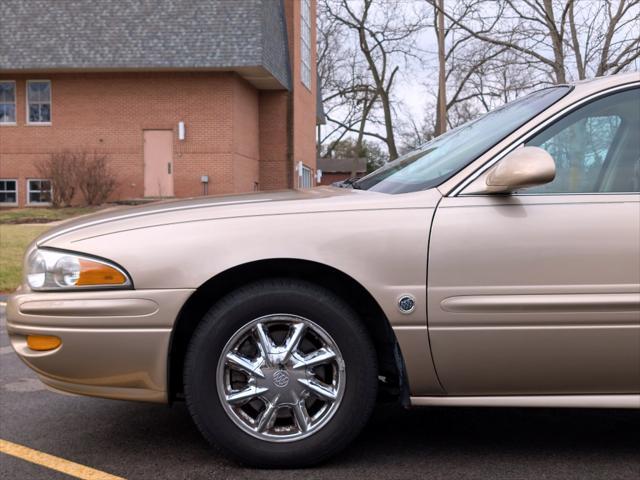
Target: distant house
x,y
340,169
184,96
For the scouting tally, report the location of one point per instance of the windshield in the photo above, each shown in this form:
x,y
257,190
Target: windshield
x,y
439,159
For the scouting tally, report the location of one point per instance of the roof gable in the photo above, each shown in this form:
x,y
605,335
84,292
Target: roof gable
x,y
246,35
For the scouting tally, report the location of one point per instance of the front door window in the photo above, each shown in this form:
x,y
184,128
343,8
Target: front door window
x,y
596,148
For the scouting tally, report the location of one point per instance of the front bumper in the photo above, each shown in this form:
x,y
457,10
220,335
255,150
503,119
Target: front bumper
x,y
115,344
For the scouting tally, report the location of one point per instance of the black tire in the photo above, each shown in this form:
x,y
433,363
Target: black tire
x,y
265,298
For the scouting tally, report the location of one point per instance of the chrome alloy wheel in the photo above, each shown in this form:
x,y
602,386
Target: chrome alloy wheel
x,y
280,378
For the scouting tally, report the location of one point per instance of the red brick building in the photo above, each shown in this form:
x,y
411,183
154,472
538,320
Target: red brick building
x,y
341,169
184,96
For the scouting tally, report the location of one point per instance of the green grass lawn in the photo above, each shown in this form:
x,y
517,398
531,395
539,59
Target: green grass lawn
x,y
41,215
13,242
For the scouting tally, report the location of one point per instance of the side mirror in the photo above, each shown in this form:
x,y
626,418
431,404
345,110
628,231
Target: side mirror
x,y
524,167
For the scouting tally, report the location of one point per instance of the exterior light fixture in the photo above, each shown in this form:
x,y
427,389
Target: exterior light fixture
x,y
204,179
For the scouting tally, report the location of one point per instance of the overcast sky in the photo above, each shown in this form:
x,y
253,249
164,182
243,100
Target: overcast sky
x,y
416,87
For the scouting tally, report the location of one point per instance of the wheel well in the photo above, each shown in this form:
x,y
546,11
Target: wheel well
x,y
390,363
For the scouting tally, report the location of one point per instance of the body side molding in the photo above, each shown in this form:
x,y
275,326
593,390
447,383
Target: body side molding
x,y
541,401
621,302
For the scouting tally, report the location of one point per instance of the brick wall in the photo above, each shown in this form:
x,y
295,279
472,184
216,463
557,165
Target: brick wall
x,y
109,112
242,138
329,178
275,171
304,99
246,138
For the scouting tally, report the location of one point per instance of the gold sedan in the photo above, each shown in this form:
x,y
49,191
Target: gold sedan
x,y
497,265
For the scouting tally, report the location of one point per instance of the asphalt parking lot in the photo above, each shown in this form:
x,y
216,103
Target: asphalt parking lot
x,y
144,441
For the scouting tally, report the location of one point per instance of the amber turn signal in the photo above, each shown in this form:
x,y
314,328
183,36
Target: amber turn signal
x,y
94,273
43,343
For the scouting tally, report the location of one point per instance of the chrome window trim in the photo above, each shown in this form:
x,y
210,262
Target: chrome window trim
x,y
457,191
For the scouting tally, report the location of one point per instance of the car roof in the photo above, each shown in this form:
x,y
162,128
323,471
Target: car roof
x,y
601,83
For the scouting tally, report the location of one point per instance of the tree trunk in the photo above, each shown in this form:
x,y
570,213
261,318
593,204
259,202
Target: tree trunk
x,y
388,123
441,113
582,74
556,43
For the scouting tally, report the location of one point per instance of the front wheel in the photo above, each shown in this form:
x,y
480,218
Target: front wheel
x,y
280,373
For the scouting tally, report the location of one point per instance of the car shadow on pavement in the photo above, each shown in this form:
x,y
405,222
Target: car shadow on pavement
x,y
397,443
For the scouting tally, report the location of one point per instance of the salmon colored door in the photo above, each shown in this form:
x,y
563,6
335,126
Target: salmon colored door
x,y
158,163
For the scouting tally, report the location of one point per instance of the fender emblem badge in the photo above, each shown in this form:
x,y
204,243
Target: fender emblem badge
x,y
406,303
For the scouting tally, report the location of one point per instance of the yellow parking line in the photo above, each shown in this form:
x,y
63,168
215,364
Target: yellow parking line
x,y
54,463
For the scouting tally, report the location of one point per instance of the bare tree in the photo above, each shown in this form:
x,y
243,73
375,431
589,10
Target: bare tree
x,y
605,37
556,36
489,52
96,180
70,172
466,66
348,97
61,169
385,37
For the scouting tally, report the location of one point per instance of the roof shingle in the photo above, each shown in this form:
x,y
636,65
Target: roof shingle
x,y
144,34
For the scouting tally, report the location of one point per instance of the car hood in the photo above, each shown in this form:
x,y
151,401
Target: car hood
x,y
320,199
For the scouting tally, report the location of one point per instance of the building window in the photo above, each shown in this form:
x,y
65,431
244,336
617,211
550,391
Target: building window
x,y
305,44
38,191
306,177
39,101
7,102
8,192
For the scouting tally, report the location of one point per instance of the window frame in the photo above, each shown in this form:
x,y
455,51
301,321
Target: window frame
x,y
15,104
28,192
27,102
303,171
17,192
305,42
606,162
459,190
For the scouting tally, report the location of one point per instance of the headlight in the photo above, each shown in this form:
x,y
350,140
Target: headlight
x,y
55,270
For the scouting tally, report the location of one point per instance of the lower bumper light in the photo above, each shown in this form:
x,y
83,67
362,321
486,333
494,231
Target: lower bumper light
x,y
43,343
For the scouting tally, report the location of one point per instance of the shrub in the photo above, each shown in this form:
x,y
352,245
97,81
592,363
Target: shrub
x,y
61,170
72,171
96,180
